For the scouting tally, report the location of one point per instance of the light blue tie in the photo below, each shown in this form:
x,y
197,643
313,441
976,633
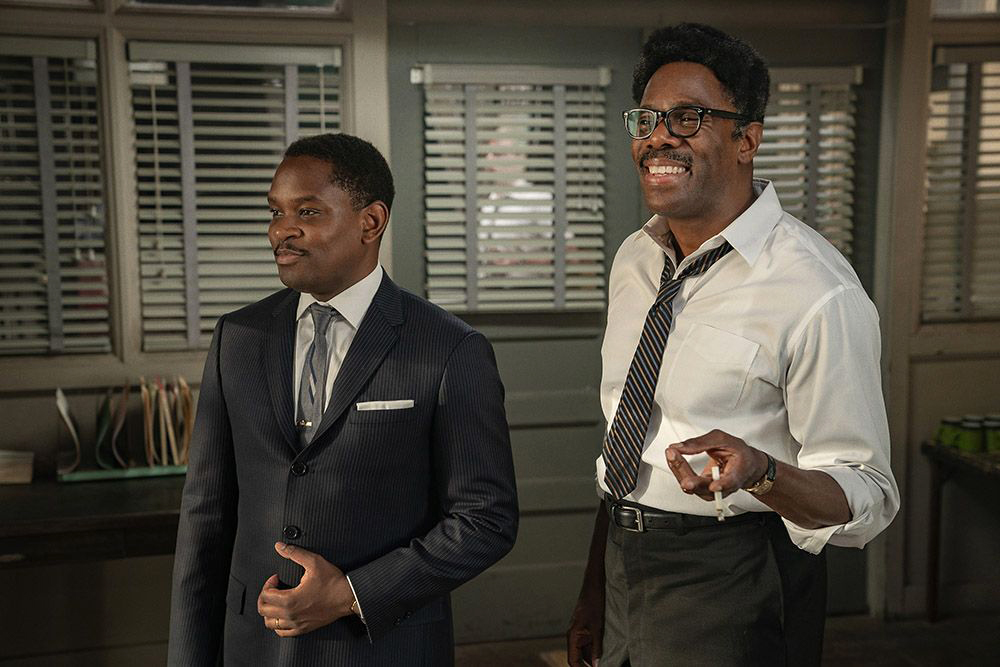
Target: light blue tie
x,y
623,444
312,384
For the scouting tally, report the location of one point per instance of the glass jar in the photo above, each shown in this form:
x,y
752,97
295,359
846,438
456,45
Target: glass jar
x,y
970,436
991,433
949,430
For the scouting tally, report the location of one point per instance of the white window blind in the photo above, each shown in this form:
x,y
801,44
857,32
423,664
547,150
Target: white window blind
x,y
808,148
53,274
211,125
961,264
514,187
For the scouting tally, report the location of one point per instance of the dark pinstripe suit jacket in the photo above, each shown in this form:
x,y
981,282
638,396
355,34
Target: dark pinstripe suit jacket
x,y
409,503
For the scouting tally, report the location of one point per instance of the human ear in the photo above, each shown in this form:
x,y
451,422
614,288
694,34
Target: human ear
x,y
374,219
753,134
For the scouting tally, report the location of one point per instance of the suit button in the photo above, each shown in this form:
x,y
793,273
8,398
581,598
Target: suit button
x,y
291,532
299,468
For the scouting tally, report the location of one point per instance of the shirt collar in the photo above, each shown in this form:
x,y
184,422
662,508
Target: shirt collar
x,y
747,233
352,303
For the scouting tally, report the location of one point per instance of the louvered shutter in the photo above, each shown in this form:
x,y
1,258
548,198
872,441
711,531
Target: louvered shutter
x,y
961,264
53,272
808,148
211,125
514,187
964,8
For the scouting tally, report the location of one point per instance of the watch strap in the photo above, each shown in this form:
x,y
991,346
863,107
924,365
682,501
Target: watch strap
x,y
764,484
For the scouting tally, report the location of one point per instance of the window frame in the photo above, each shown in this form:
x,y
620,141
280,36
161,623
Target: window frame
x,y
817,83
112,24
339,11
967,225
74,5
52,111
937,340
813,79
184,224
472,78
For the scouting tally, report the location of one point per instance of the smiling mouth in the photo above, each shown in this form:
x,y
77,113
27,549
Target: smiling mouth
x,y
657,169
661,164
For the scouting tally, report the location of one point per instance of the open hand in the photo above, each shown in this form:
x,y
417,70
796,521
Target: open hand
x,y
323,595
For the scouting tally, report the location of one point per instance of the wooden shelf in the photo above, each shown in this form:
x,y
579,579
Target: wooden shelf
x,y
984,463
48,522
945,462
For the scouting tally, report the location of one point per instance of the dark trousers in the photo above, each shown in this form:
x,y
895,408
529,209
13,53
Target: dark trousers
x,y
736,593
803,593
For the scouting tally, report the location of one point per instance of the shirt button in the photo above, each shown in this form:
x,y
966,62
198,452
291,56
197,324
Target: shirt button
x,y
299,468
291,532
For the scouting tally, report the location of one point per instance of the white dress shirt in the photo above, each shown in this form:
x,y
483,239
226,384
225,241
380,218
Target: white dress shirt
x,y
352,304
777,344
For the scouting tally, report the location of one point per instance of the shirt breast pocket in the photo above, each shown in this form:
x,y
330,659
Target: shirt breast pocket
x,y
710,371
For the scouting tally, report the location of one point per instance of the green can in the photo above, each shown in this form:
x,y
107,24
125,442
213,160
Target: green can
x,y
991,433
970,436
949,430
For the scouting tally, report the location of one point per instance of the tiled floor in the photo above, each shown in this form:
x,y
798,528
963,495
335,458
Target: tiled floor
x,y
850,641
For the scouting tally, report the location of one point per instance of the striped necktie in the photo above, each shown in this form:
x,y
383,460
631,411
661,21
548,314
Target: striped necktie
x,y
624,441
312,384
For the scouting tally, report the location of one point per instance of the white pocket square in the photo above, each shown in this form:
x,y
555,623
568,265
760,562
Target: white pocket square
x,y
385,405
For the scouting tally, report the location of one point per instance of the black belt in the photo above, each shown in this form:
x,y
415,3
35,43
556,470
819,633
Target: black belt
x,y
639,518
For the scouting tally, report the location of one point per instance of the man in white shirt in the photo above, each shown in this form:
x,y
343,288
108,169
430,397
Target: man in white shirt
x,y
351,461
739,338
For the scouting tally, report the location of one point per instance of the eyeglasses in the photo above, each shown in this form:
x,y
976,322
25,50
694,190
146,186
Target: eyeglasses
x,y
681,122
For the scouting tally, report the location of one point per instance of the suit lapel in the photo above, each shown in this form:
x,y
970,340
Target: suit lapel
x,y
280,356
376,336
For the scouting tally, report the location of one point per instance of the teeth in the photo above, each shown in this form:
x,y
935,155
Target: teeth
x,y
664,169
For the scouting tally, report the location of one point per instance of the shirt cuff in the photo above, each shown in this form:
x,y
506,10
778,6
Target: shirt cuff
x,y
868,516
810,540
361,613
872,505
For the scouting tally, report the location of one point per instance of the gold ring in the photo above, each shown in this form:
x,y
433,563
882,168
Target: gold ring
x,y
276,622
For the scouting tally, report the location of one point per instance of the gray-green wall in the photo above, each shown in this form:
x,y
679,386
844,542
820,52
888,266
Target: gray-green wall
x,y
115,613
550,363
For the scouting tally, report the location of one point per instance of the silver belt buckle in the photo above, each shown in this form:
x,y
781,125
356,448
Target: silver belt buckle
x,y
639,527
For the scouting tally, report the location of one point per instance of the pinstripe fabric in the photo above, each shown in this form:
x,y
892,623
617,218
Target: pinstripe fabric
x,y
624,441
315,367
408,503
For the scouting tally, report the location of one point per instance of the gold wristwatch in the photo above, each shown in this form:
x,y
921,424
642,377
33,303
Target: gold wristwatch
x,y
766,481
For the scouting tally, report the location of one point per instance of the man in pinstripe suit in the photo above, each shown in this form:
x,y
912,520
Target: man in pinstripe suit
x,y
334,537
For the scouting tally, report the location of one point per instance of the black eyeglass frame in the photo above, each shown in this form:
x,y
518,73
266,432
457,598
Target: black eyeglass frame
x,y
664,116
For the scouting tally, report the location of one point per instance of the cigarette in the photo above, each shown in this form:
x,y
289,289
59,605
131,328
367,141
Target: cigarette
x,y
718,496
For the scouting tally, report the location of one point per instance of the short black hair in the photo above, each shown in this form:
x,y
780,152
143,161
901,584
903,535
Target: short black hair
x,y
738,67
355,165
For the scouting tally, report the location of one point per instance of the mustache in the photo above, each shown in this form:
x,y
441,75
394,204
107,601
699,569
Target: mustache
x,y
289,247
667,154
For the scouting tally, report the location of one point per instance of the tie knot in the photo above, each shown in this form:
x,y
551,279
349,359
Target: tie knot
x,y
703,263
322,315
670,285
